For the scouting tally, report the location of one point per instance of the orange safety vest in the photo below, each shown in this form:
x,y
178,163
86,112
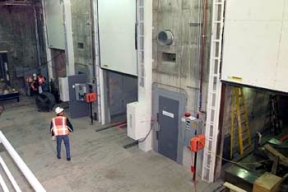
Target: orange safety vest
x,y
59,126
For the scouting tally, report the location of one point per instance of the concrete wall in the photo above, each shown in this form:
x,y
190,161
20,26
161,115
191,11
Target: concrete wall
x,y
82,39
182,18
122,89
17,36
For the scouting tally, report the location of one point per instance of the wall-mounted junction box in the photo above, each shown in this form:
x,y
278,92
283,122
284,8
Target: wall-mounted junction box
x,y
80,91
190,127
136,124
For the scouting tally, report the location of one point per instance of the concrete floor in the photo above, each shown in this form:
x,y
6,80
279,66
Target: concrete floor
x,y
98,160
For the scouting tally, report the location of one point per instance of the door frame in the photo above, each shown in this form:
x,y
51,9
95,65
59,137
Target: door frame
x,y
182,99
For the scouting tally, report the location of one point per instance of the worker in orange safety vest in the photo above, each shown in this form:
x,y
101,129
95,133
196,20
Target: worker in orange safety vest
x,y
60,127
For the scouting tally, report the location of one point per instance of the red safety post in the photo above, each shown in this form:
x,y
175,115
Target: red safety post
x,y
197,143
90,98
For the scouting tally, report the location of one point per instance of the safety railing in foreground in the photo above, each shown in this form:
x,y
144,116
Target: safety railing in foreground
x,y
22,166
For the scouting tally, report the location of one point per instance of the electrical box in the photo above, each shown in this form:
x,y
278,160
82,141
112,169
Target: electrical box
x,y
137,128
90,97
190,127
197,143
80,91
63,89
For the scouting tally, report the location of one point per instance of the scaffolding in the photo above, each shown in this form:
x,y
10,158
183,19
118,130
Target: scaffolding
x,y
214,92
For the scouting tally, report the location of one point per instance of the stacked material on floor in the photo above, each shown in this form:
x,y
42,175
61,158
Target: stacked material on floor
x,y
7,92
267,183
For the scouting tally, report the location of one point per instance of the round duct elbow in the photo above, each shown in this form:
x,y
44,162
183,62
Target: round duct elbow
x,y
165,37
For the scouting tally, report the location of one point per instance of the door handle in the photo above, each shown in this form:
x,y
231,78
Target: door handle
x,y
157,135
136,35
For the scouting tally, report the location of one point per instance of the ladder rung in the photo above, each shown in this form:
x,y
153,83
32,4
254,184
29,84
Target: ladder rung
x,y
244,138
207,167
218,22
216,40
212,92
215,75
247,146
243,122
244,130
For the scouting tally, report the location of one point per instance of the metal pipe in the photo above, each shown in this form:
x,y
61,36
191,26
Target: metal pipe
x,y
3,184
202,58
21,164
37,37
92,23
197,74
9,175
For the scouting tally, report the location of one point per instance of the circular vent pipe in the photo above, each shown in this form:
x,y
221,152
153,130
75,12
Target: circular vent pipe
x,y
165,37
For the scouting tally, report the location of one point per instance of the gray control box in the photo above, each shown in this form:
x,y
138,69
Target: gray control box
x,y
81,90
190,127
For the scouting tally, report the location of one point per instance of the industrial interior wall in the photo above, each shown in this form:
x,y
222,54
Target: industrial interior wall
x,y
122,88
176,67
82,39
17,36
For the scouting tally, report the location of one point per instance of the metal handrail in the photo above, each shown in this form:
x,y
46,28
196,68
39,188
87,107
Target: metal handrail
x,y
37,186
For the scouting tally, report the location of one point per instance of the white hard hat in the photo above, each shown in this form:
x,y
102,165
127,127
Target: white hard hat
x,y
58,110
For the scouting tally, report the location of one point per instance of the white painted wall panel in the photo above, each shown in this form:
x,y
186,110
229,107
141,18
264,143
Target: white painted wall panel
x,y
250,52
256,10
55,24
286,11
117,20
281,82
256,44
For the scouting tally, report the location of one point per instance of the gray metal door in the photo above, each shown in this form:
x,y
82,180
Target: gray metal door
x,y
77,108
168,122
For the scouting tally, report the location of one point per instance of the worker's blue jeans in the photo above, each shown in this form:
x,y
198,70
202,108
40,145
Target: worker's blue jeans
x,y
66,143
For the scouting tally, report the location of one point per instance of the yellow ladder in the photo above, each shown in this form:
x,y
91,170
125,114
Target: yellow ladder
x,y
238,110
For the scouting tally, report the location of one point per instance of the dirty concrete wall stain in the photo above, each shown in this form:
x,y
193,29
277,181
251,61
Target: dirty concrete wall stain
x,y
182,18
82,39
17,36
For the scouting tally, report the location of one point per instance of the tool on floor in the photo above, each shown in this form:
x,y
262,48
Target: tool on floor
x,y
111,125
241,129
197,143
